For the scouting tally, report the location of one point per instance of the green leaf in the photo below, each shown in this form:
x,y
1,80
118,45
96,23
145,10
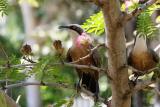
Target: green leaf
x,y
145,26
94,24
3,7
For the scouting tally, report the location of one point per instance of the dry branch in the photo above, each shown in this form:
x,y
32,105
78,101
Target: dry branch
x,y
38,84
56,64
57,85
138,10
142,84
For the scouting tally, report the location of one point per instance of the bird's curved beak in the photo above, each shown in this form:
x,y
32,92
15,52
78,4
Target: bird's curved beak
x,y
62,27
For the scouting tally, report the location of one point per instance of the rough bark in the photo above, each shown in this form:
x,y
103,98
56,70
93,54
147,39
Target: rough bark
x,y
115,42
115,21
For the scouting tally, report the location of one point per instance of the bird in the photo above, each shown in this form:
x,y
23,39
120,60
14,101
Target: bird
x,y
82,45
142,57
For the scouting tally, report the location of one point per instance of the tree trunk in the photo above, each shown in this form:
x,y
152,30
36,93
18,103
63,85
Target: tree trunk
x,y
115,41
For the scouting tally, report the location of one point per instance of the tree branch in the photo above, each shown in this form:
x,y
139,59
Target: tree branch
x,y
138,10
56,64
38,84
58,85
143,84
157,48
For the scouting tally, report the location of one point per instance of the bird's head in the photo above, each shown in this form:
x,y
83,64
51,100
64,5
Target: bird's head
x,y
140,43
77,32
73,28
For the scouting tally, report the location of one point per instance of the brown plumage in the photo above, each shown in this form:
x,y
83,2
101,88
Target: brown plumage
x,y
141,57
81,47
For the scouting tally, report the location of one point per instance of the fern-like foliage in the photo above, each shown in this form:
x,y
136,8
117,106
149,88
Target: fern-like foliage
x,y
3,7
145,25
94,24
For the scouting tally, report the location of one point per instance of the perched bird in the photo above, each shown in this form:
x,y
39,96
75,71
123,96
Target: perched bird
x,y
142,57
82,44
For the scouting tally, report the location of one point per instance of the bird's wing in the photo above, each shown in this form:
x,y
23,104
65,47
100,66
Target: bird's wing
x,y
129,59
154,55
96,57
68,56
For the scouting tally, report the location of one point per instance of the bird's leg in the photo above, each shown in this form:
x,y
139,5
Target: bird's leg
x,y
89,84
78,85
97,91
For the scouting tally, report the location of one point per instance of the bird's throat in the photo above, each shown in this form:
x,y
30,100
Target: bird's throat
x,y
140,45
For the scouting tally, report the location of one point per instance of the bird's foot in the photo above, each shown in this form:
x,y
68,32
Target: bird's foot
x,y
96,97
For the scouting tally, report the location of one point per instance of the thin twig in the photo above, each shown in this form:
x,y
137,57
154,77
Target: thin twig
x,y
157,48
56,64
87,56
143,84
58,85
144,72
5,53
38,84
138,10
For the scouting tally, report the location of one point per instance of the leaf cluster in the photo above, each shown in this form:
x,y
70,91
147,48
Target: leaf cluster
x,y
95,23
3,7
145,25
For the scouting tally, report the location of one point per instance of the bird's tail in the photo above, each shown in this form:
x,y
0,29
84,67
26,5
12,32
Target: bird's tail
x,y
90,83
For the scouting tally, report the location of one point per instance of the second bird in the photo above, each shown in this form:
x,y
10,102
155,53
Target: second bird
x,y
142,57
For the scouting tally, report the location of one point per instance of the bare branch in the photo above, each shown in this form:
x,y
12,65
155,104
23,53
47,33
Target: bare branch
x,y
138,10
146,72
38,84
157,48
18,66
58,85
157,91
143,84
56,64
91,52
130,43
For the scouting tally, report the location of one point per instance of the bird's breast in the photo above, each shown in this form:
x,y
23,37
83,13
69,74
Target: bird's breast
x,y
78,53
142,61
